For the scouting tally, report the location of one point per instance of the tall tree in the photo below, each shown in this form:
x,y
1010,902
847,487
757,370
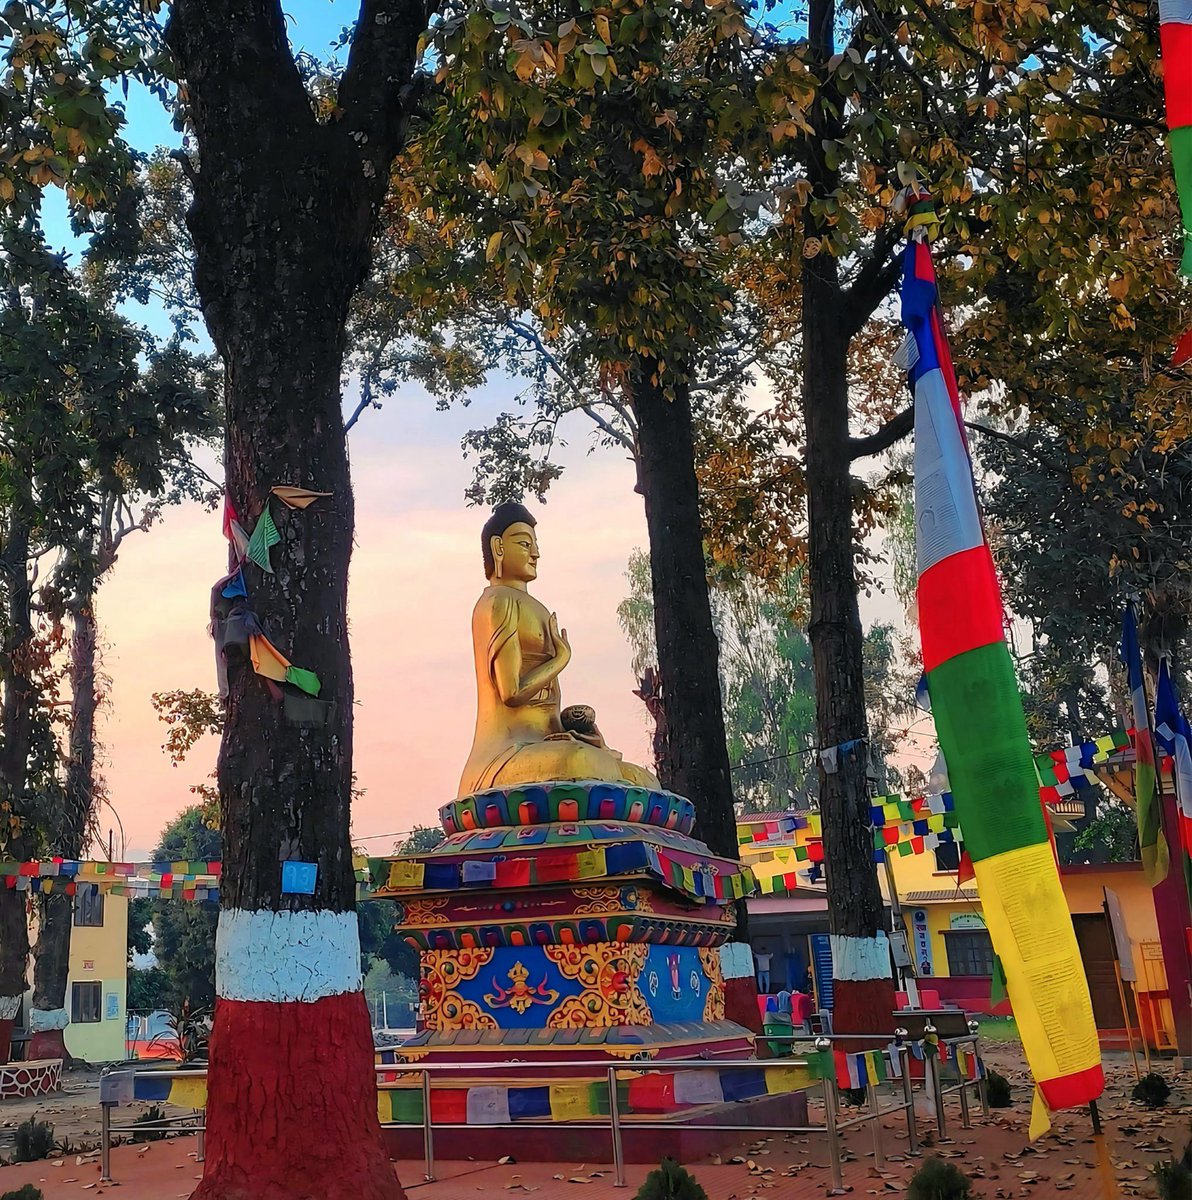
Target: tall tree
x,y
286,195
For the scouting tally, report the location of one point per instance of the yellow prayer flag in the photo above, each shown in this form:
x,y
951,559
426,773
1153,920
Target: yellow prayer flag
x,y
570,1102
1040,1117
787,1079
189,1093
406,874
590,864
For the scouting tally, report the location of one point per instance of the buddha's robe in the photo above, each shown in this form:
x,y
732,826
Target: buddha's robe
x,y
526,743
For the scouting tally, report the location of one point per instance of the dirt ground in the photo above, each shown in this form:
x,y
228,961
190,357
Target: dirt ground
x,y
995,1153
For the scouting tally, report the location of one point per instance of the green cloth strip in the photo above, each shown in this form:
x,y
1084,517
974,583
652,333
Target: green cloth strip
x,y
982,733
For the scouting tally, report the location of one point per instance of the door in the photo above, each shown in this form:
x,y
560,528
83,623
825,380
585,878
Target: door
x,y
1097,954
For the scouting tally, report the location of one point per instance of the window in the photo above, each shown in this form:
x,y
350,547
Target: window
x,y
970,952
88,908
947,856
85,1002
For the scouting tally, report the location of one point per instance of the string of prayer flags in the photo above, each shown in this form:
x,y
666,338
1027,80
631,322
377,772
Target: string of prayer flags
x,y
980,723
264,536
1175,40
297,497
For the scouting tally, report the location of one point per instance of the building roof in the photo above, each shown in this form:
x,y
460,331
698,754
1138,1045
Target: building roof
x,y
941,896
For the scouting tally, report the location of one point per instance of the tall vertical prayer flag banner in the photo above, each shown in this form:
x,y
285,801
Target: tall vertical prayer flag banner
x,y
980,723
1175,736
1175,40
1151,842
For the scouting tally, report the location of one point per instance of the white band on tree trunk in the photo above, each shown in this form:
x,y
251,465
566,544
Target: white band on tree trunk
x,y
41,1020
9,1007
286,956
858,958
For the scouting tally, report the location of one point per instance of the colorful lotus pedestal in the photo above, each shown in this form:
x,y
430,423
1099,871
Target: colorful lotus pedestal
x,y
563,923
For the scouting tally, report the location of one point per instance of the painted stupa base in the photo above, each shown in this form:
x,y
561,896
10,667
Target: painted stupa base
x,y
572,922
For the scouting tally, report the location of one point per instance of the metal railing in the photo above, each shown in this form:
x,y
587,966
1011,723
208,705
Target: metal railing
x,y
196,1122
614,1073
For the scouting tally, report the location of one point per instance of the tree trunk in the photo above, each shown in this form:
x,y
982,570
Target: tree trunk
x,y
688,652
16,717
51,955
862,983
282,220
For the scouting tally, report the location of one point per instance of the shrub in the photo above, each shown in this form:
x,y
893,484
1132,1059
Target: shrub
x,y
939,1180
153,1115
671,1182
26,1192
997,1090
1174,1179
1151,1090
34,1140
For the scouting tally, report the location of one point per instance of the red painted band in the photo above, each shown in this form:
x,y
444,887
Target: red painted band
x,y
292,1104
1175,41
1071,1091
960,606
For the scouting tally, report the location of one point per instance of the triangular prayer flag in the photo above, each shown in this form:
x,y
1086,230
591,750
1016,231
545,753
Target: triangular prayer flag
x,y
267,660
264,535
297,497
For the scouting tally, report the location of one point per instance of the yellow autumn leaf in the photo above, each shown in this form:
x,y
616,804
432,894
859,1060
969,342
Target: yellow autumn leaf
x,y
493,247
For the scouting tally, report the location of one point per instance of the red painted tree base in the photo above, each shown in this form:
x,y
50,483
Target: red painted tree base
x,y
863,1006
292,1104
49,1043
5,1039
740,1003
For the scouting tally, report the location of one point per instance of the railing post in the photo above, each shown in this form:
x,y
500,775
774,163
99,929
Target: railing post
x,y
614,1115
105,1143
965,1118
931,1064
428,1137
829,1084
908,1094
201,1155
982,1094
875,1108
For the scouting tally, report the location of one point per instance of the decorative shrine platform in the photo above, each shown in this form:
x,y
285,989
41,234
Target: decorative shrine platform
x,y
38,1077
569,922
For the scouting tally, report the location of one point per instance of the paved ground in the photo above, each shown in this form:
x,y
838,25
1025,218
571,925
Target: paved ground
x,y
995,1153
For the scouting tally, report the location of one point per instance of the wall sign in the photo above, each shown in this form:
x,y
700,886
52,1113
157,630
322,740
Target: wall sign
x,y
921,940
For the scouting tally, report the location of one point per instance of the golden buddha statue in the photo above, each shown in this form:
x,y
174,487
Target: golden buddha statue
x,y
522,736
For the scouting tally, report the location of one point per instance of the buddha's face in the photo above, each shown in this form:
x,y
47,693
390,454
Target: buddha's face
x,y
516,553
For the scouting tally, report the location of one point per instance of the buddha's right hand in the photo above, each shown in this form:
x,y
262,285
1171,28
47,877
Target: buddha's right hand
x,y
562,645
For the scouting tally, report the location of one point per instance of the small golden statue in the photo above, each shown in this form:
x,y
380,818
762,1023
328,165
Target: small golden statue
x,y
520,651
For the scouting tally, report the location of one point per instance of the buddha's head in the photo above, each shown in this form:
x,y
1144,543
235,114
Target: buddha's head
x,y
508,543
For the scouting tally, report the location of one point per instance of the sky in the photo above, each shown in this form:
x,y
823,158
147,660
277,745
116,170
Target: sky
x,y
415,575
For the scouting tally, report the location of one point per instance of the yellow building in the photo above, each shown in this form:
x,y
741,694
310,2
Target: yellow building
x,y
946,929
96,989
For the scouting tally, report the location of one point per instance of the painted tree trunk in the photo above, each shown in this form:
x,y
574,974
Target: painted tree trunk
x,y
285,208
51,955
862,982
696,763
16,718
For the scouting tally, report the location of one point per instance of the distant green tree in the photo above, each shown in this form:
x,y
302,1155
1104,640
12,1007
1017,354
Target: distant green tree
x,y
184,933
148,989
767,681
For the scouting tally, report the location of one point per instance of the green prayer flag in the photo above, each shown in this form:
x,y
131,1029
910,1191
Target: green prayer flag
x,y
997,987
308,681
264,535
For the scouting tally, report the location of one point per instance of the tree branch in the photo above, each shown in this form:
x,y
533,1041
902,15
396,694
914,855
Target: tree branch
x,y
378,90
873,282
1052,464
894,430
